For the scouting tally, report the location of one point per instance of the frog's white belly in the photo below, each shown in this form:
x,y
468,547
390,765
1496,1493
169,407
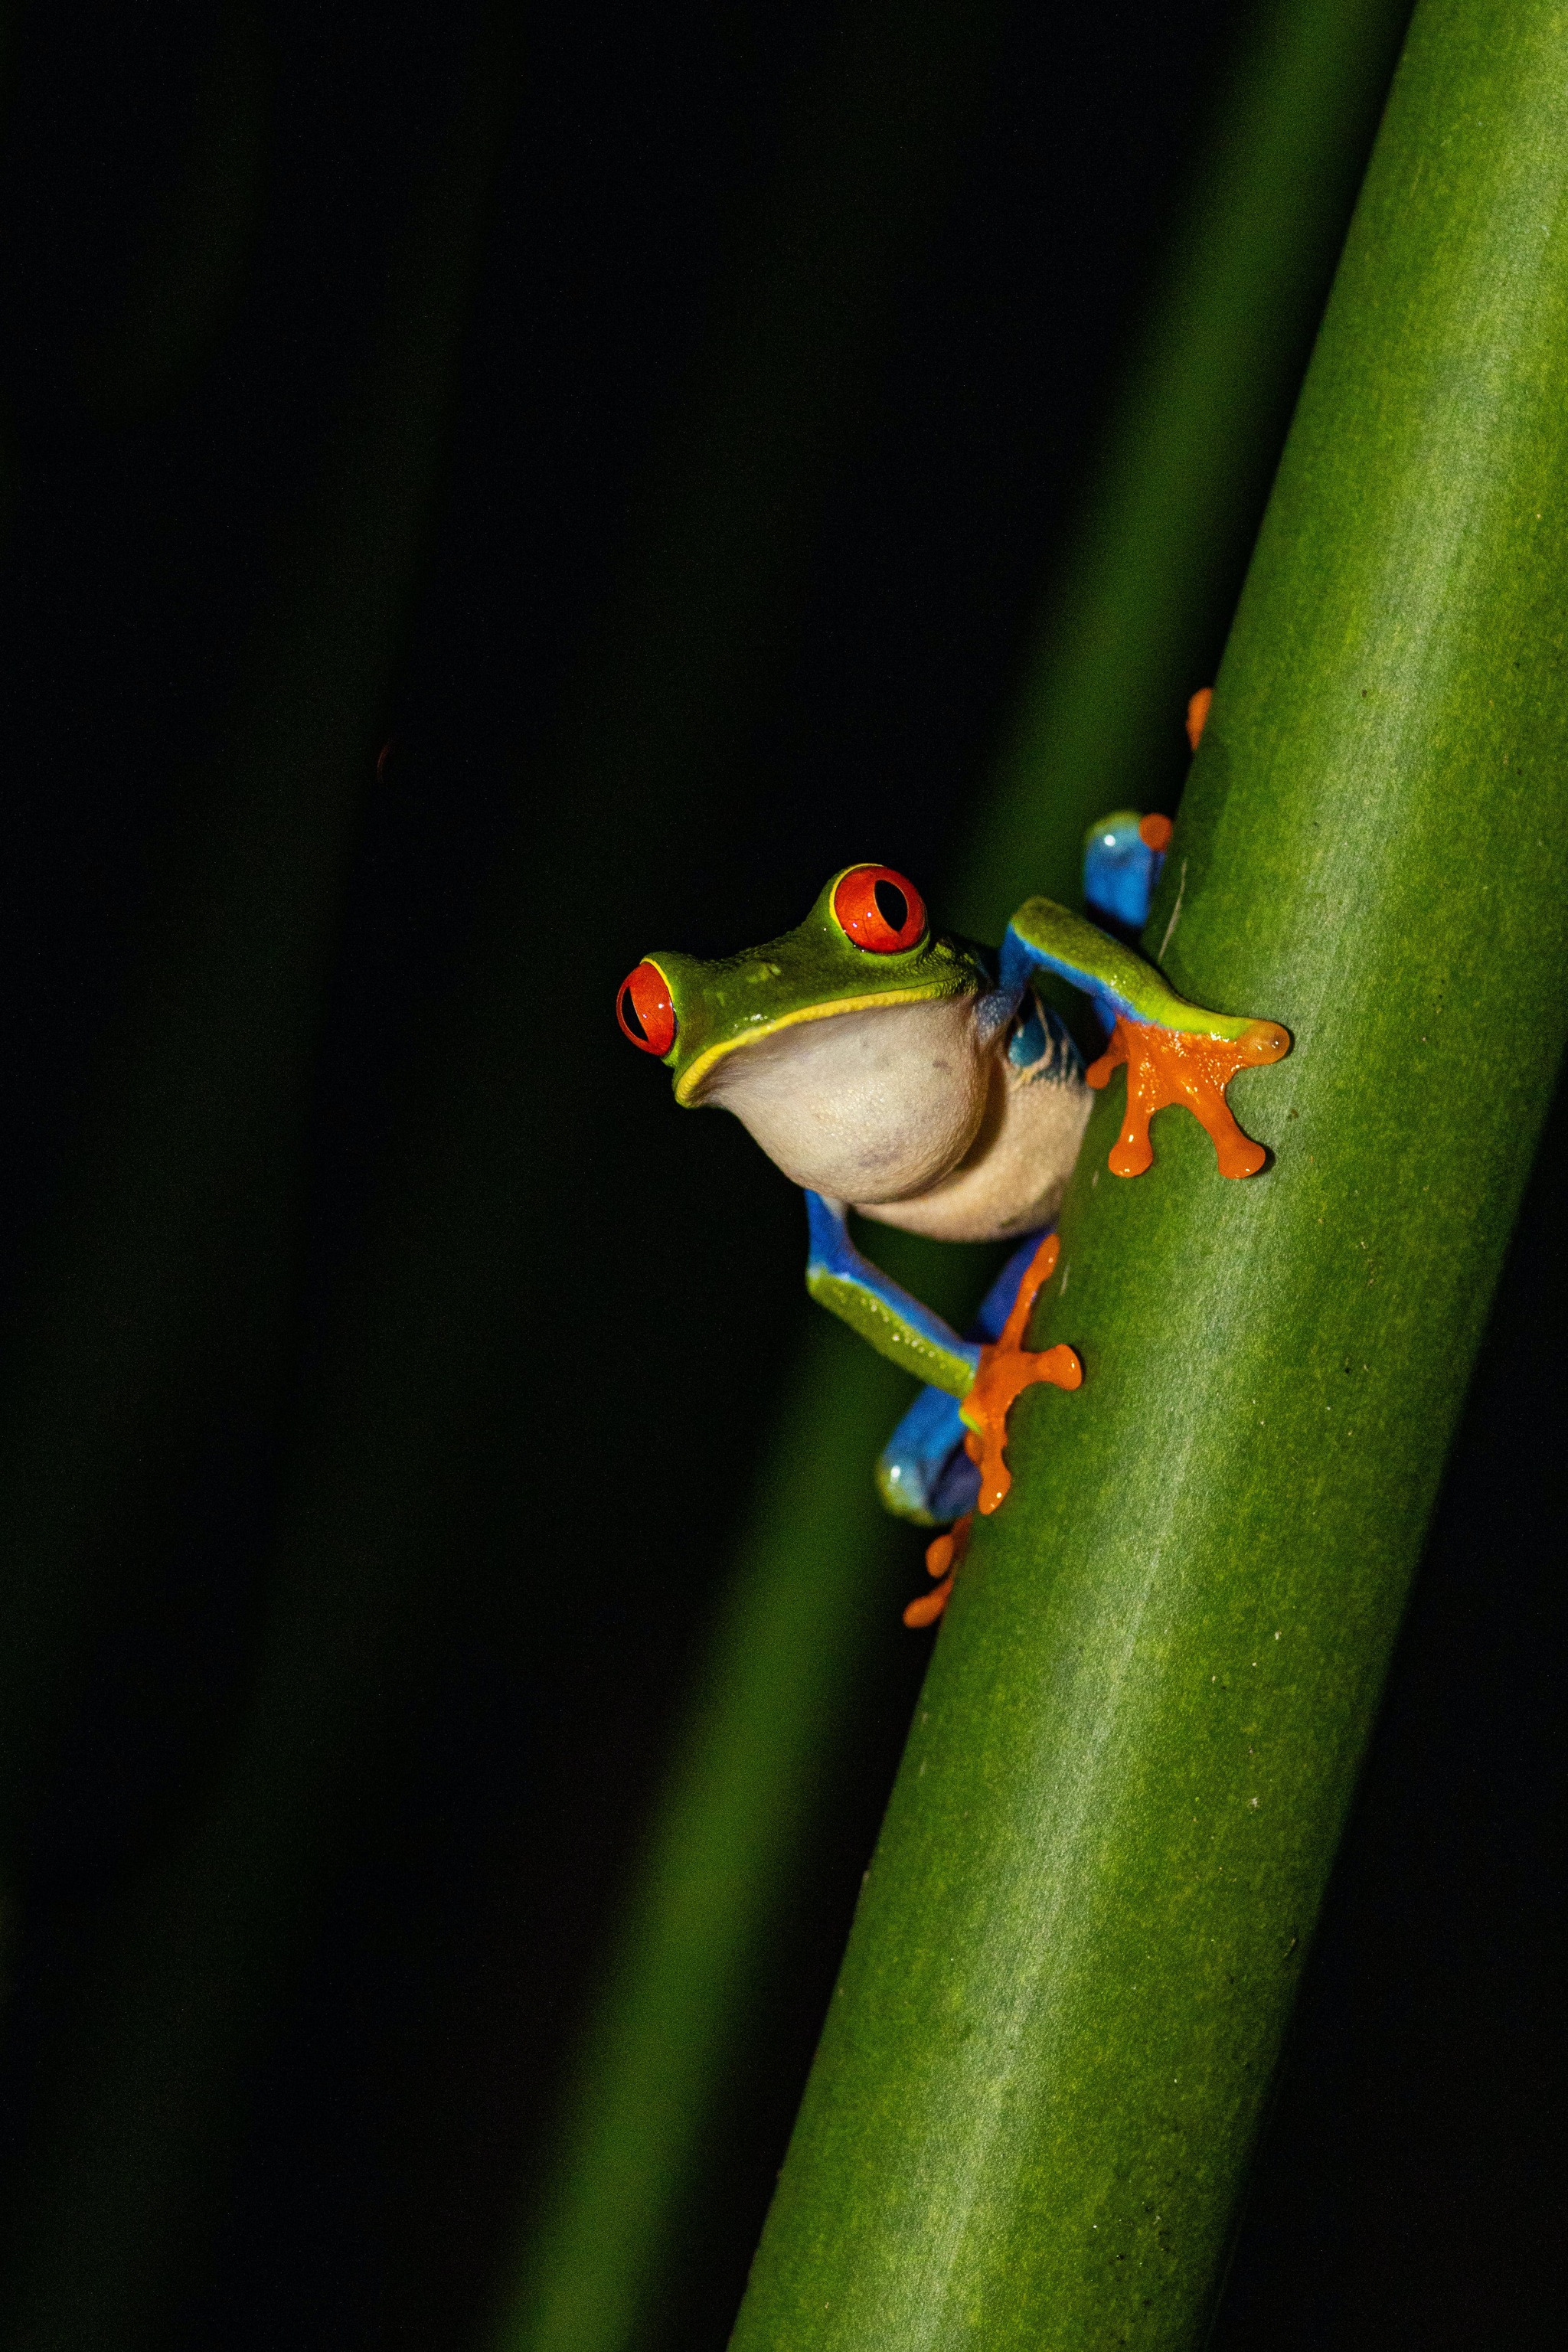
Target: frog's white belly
x,y
913,1114
1012,1178
878,1105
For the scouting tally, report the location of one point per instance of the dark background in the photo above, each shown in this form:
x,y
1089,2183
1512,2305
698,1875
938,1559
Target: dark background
x,y
655,426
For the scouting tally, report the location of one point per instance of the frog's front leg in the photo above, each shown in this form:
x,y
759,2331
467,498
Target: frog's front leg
x,y
880,1309
1175,1052
924,1472
986,1375
1007,1368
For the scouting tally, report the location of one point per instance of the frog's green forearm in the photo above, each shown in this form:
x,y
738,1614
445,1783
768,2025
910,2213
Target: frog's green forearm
x,y
879,1309
1042,933
889,1333
1175,1052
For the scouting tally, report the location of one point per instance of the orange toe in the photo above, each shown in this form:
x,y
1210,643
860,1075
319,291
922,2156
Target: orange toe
x,y
944,1554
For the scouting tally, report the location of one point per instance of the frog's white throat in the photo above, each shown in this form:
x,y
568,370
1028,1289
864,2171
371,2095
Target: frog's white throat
x,y
912,1113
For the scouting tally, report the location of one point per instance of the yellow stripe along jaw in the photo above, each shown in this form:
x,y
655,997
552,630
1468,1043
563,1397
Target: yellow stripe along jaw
x,y
686,1084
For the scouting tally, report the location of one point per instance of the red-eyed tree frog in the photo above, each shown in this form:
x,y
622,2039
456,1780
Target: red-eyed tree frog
x,y
919,1080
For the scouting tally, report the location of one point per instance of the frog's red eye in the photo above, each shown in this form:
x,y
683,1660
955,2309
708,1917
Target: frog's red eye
x,y
880,910
644,1010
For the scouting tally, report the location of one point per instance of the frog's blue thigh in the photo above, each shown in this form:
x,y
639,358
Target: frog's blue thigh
x,y
924,1472
1119,871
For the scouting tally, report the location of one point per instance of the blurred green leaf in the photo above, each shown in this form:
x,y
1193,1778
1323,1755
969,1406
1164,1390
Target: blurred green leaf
x,y
466,1237
170,1277
188,267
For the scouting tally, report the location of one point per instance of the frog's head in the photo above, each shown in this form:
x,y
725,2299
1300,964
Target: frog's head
x,y
856,1048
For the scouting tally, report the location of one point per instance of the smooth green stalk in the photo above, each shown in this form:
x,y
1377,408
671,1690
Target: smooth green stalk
x,y
1138,616
1048,2055
1141,603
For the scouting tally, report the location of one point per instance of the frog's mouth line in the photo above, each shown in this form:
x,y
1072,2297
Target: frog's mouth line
x,y
686,1085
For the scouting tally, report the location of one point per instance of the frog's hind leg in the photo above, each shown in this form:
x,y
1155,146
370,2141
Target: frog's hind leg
x,y
1123,855
923,1472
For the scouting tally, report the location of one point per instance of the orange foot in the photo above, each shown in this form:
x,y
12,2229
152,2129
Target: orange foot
x,y
1007,1368
1171,1065
942,1557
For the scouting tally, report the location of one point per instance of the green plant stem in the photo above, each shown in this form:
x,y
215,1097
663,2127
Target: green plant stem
x,y
1184,470
1046,2058
1139,614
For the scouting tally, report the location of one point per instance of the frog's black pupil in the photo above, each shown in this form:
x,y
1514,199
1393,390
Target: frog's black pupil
x,y
891,905
630,1013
